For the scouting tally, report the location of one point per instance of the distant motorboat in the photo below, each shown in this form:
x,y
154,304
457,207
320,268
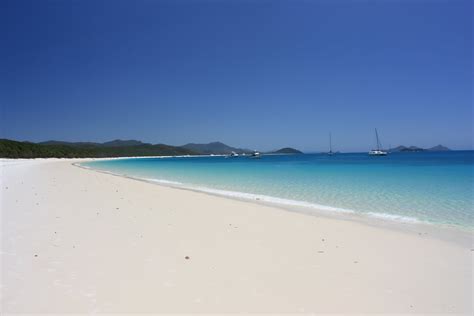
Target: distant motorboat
x,y
379,151
255,155
233,155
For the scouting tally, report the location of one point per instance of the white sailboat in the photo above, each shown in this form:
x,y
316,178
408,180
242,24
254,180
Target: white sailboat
x,y
379,151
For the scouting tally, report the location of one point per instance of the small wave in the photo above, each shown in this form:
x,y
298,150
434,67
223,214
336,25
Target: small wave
x,y
392,217
271,199
163,181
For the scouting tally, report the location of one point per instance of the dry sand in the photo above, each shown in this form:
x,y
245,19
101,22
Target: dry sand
x,y
80,241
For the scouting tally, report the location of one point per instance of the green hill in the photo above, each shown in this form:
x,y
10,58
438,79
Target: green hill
x,y
214,148
287,150
53,149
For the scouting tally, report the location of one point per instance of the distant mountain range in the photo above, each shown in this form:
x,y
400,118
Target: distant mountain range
x,y
417,149
113,143
115,148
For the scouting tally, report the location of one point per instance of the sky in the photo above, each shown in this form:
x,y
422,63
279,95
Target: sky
x,y
255,74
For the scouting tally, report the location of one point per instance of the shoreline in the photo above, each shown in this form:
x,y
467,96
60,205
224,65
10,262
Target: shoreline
x,y
75,240
457,234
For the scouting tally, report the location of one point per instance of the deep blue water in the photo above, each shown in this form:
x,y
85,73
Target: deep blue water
x,y
434,187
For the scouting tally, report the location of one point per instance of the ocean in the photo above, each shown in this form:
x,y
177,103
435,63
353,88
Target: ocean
x,y
426,187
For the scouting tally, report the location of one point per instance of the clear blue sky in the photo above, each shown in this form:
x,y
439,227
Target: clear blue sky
x,y
259,74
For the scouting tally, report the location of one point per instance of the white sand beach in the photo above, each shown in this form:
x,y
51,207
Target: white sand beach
x,y
80,241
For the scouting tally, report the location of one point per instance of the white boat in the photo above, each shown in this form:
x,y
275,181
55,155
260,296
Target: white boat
x,y
379,151
234,154
255,154
330,152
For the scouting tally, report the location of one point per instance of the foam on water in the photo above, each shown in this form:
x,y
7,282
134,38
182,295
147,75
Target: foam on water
x,y
247,196
162,181
272,199
283,202
397,218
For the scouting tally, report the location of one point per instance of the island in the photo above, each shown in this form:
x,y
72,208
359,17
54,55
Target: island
x,y
402,148
287,150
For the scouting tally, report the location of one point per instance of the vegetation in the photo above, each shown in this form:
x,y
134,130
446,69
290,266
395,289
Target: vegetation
x,y
417,149
115,148
287,150
215,148
14,149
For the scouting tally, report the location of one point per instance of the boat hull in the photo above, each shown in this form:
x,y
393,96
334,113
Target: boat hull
x,y
377,153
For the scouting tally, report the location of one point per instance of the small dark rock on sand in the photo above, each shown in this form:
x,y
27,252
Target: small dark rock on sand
x,y
187,257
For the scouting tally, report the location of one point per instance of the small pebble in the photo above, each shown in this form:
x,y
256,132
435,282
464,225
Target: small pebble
x,y
187,257
36,255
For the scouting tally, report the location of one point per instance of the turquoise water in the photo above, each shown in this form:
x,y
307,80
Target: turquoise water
x,y
437,188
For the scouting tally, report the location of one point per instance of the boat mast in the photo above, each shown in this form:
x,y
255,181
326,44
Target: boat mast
x,y
330,143
377,137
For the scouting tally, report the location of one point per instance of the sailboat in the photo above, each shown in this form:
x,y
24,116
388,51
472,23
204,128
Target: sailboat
x,y
379,151
330,152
